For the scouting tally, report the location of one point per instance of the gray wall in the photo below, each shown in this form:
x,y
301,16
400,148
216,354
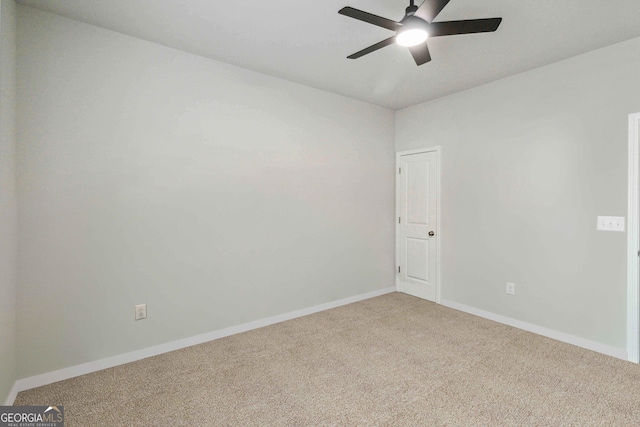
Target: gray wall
x,y
8,207
528,163
213,194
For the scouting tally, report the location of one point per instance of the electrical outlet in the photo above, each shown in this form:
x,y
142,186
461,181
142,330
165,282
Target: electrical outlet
x,y
141,311
511,288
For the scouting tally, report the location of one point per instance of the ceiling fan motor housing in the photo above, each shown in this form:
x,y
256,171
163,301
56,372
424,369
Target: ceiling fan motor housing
x,y
412,23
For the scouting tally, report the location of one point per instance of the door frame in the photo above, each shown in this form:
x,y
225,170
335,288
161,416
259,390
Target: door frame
x,y
633,242
399,154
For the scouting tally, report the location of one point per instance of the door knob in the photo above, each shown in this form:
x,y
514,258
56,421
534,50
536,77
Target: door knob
x,y
431,233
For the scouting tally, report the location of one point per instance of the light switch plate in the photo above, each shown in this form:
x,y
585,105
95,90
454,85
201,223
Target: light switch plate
x,y
611,223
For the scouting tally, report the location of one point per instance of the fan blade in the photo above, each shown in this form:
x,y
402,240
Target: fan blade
x,y
429,9
369,18
450,28
420,53
373,48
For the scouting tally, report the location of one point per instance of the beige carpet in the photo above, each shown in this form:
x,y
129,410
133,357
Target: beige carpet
x,y
394,360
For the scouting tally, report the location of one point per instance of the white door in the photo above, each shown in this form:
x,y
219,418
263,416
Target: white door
x,y
633,242
417,232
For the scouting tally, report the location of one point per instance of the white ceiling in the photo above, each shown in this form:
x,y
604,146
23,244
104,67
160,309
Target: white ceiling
x,y
307,41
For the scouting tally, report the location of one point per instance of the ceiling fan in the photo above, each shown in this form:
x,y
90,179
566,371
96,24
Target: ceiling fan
x,y
417,25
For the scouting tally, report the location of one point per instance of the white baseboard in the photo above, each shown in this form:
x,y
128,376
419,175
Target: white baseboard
x,y
540,330
12,395
109,362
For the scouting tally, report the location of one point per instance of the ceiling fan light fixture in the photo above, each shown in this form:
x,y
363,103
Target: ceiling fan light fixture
x,y
411,37
412,32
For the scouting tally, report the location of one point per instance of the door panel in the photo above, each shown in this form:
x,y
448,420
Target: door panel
x,y
417,197
417,252
417,202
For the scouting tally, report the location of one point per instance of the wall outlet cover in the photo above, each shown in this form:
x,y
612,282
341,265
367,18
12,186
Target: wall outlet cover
x,y
141,311
511,288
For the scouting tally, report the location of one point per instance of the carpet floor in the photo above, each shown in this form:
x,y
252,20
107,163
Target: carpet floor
x,y
393,360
